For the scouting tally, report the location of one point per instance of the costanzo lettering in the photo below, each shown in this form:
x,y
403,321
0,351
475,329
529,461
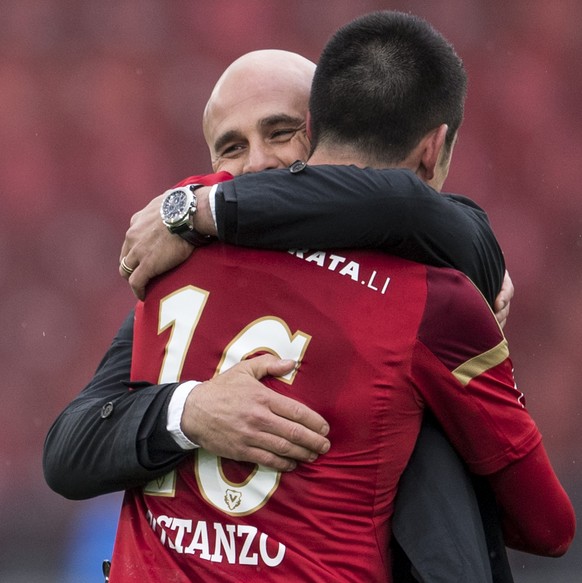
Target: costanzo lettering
x,y
240,544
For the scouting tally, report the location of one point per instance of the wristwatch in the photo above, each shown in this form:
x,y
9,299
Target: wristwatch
x,y
178,207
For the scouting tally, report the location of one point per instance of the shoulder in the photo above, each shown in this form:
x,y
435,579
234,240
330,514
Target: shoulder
x,y
457,323
205,179
464,201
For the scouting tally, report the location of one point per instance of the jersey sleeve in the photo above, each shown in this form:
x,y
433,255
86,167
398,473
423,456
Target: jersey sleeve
x,y
538,514
463,373
393,210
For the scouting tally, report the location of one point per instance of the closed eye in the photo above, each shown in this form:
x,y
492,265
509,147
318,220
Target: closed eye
x,y
232,150
283,134
229,143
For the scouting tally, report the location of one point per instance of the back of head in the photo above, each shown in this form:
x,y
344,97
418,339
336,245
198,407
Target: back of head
x,y
383,82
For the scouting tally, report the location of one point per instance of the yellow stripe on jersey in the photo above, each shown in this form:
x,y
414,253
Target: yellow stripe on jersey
x,y
482,362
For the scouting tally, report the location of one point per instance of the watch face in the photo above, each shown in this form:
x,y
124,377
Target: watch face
x,y
175,206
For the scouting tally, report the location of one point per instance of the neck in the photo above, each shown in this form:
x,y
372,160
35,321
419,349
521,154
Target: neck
x,y
344,156
340,156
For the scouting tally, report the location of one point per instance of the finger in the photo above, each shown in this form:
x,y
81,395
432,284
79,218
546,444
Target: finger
x,y
288,428
275,450
502,315
124,249
507,282
282,406
138,281
500,303
507,291
128,243
280,367
125,269
122,272
268,459
289,440
298,413
266,364
296,442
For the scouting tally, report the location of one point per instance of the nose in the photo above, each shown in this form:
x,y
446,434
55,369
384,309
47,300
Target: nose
x,y
262,157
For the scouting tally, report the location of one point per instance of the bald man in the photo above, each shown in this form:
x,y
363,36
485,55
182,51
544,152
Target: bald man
x,y
265,96
255,117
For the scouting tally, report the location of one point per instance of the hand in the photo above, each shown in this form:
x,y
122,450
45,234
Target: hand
x,y
235,416
503,299
150,249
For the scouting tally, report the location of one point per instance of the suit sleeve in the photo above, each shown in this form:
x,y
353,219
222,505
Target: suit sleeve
x,y
325,207
111,436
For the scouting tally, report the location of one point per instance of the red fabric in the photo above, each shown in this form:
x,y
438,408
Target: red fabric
x,y
377,339
538,516
206,179
464,375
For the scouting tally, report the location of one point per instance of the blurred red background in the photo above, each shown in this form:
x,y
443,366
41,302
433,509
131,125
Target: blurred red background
x,y
100,109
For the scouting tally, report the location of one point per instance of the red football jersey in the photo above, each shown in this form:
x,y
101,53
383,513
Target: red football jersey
x,y
377,340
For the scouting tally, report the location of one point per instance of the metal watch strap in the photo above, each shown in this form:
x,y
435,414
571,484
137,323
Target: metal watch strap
x,y
193,237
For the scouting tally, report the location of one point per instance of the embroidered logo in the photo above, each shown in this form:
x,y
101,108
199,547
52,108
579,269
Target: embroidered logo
x,y
232,498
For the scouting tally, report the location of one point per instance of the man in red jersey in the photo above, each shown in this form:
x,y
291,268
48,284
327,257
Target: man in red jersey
x,y
263,96
368,334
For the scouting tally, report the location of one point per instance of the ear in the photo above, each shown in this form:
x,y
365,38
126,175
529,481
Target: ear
x,y
308,125
431,147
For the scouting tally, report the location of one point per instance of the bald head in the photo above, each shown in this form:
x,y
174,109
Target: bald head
x,y
259,106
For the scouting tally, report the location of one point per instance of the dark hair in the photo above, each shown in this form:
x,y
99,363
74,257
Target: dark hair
x,y
383,81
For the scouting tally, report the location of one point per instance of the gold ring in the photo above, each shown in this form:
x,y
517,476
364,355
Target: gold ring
x,y
125,267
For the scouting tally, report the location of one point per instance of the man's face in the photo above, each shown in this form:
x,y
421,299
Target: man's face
x,y
251,126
